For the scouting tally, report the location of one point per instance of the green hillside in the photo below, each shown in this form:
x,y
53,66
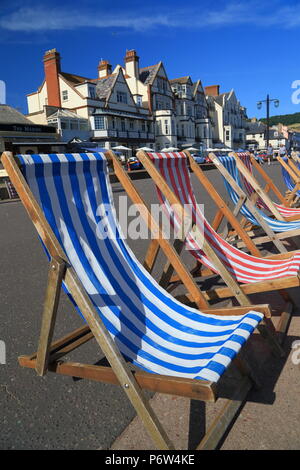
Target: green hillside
x,y
286,119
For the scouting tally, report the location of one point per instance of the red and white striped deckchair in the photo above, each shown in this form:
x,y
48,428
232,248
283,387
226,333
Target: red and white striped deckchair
x,y
262,202
173,185
244,267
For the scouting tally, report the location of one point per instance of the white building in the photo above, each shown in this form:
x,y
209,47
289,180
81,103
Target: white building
x,y
193,125
107,110
135,107
256,136
228,118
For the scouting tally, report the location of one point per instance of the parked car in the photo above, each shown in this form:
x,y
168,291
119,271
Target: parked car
x,y
133,163
198,158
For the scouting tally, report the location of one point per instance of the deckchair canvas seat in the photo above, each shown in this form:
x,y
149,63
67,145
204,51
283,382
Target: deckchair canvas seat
x,y
244,267
284,210
150,328
291,178
114,293
277,226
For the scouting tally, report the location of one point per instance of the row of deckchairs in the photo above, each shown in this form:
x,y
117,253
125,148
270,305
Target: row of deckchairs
x,y
291,176
253,203
177,346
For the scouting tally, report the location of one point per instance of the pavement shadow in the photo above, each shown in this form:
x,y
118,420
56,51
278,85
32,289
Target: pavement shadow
x,y
268,374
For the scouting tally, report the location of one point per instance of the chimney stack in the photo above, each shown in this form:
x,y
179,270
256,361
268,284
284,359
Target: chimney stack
x,y
104,69
52,69
132,63
212,90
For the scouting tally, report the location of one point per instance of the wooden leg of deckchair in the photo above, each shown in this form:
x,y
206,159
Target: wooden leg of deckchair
x,y
284,322
222,422
169,269
285,317
151,255
117,362
56,273
266,329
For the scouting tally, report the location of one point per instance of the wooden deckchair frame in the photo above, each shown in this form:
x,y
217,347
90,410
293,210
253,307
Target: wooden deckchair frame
x,y
270,185
250,205
260,192
294,173
291,196
230,290
271,236
49,354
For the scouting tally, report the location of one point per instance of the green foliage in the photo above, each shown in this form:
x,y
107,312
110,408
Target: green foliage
x,y
286,119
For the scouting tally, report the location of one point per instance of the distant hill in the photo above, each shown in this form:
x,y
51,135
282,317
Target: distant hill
x,y
286,119
294,127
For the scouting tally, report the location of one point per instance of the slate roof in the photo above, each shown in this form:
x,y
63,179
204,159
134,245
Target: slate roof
x,y
181,80
219,98
74,79
9,115
255,127
147,74
105,85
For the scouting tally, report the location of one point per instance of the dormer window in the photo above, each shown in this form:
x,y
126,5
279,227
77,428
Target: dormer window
x,y
139,101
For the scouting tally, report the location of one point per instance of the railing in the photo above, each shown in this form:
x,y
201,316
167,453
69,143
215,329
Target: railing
x,y
105,133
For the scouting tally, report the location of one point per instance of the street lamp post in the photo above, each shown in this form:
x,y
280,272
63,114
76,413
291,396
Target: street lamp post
x,y
259,105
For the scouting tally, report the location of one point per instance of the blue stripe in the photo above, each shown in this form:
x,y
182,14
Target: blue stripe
x,y
275,225
129,271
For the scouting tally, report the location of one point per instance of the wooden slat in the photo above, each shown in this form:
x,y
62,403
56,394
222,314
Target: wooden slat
x,y
56,273
257,188
268,179
223,420
294,177
151,256
157,233
248,203
222,206
194,389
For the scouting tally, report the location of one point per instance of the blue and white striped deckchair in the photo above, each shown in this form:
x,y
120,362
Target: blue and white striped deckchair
x,y
145,323
276,226
287,177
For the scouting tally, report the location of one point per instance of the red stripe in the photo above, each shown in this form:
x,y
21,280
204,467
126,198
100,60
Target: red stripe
x,y
171,163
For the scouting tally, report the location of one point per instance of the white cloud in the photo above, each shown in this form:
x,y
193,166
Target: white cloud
x,y
29,19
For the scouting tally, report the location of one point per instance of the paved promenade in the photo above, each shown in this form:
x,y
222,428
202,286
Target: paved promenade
x,y
56,412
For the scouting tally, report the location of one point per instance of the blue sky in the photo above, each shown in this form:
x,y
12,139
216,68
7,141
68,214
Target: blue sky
x,y
251,46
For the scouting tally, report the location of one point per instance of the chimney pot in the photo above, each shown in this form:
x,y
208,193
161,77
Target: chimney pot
x,y
104,69
132,63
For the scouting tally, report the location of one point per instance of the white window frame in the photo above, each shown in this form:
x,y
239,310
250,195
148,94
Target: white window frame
x,y
65,95
98,119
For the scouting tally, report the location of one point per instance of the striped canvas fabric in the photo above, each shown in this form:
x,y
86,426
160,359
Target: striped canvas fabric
x,y
149,326
284,211
275,225
287,179
244,267
245,157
